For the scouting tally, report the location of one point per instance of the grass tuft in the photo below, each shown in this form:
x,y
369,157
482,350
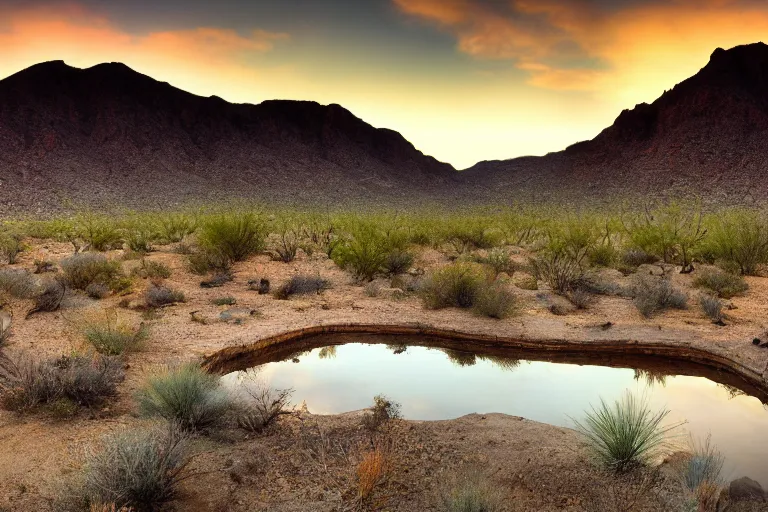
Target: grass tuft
x,y
455,285
112,335
653,294
495,301
470,492
724,284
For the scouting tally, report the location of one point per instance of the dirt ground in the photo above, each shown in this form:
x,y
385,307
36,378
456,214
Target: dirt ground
x,y
540,467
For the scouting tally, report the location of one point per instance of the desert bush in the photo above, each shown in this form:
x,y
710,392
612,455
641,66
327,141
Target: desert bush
x,y
581,298
470,492
724,284
140,233
152,270
366,251
560,271
603,255
371,471
235,236
301,284
382,411
42,266
11,244
218,279
50,296
739,237
262,406
18,283
224,301
466,233
288,240
26,383
112,335
100,233
495,301
712,307
455,285
187,395
500,260
653,294
700,472
173,227
156,296
84,269
626,434
397,262
97,291
208,260
373,289
635,257
133,469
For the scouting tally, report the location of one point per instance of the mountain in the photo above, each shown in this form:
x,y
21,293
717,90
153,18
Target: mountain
x,y
707,136
108,134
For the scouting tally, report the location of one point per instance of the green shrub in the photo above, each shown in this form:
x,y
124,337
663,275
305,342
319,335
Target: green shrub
x,y
141,233
156,296
739,237
500,260
287,241
111,335
84,269
300,284
235,236
603,255
208,260
224,301
470,492
173,227
26,383
559,270
468,233
495,301
724,284
133,469
152,270
455,285
626,434
18,283
187,395
654,294
398,262
100,233
11,244
366,251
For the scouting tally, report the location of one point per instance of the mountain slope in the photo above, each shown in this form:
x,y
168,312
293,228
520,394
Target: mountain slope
x,y
707,136
109,134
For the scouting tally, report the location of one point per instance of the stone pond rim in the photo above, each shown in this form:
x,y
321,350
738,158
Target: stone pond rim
x,y
716,366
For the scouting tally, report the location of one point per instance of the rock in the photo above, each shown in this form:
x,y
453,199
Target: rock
x,y
746,489
654,270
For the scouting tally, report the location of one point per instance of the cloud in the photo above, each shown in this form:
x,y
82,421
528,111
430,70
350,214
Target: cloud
x,y
591,45
195,58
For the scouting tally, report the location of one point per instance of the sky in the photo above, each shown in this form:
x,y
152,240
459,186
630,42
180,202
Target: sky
x,y
463,80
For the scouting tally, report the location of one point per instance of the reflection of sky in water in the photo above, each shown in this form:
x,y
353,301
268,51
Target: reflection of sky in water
x,y
430,387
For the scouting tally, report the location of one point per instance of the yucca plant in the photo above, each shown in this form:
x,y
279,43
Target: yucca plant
x,y
625,434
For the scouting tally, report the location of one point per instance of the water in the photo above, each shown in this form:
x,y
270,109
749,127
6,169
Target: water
x,y
436,384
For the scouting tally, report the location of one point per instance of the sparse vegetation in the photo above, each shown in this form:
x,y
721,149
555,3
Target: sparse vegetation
x,y
455,285
499,260
300,284
739,237
156,296
382,411
371,471
18,283
113,335
26,383
713,308
625,434
724,284
11,244
262,406
495,301
560,271
84,269
234,236
152,270
187,395
653,294
470,491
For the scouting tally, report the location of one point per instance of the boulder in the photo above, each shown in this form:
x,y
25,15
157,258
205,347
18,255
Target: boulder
x,y
746,489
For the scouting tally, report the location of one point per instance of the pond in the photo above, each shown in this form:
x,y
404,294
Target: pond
x,y
435,383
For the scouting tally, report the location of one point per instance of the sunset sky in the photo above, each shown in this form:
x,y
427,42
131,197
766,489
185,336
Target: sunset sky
x,y
464,80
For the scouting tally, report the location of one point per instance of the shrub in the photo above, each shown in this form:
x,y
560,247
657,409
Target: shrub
x,y
50,296
626,434
112,335
97,291
470,233
262,407
365,253
636,257
398,262
43,266
152,270
18,283
455,285
134,469
382,411
301,284
207,260
581,298
224,301
654,294
11,244
713,308
700,472
604,255
724,284
371,470
500,261
739,236
235,236
495,301
288,242
173,227
261,286
100,233
84,269
141,233
560,271
373,289
470,492
26,383
156,296
5,327
186,395
218,280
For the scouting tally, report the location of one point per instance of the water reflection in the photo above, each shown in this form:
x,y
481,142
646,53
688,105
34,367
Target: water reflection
x,y
434,383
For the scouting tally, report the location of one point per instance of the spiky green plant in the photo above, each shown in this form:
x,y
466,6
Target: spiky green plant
x,y
187,395
627,433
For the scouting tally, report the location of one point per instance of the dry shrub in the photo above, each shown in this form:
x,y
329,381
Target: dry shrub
x,y
110,334
724,284
713,308
653,294
470,491
455,285
382,411
84,269
152,270
156,296
262,406
372,471
299,285
18,283
50,297
495,301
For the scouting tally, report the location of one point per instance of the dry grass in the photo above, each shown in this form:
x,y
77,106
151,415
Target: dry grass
x,y
371,471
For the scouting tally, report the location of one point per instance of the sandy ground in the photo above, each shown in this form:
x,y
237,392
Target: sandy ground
x,y
543,467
